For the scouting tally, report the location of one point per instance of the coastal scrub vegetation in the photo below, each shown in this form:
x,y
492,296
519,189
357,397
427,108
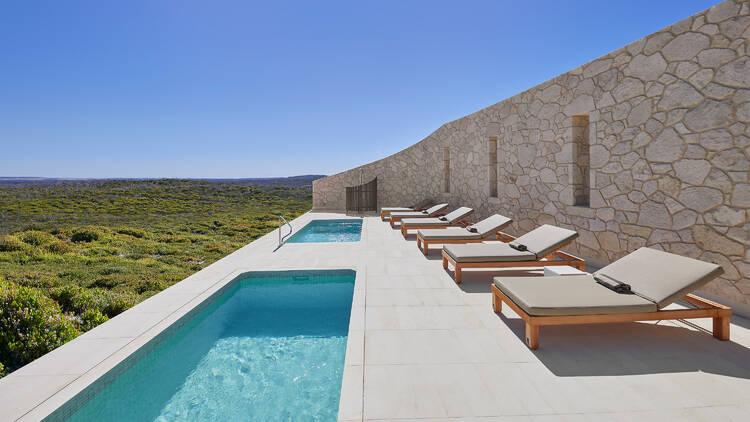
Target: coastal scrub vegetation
x,y
74,254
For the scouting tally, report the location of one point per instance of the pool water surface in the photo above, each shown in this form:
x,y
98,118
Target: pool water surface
x,y
316,231
271,348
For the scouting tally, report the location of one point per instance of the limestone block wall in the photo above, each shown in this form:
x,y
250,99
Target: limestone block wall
x,y
646,146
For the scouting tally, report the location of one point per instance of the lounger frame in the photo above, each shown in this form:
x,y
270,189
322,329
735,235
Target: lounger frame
x,y
460,222
706,309
384,213
563,258
424,245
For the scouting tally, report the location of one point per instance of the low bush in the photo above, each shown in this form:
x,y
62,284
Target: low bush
x,y
91,318
132,232
30,325
86,234
58,247
74,299
9,243
36,238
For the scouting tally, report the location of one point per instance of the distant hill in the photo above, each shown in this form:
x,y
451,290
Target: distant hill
x,y
293,181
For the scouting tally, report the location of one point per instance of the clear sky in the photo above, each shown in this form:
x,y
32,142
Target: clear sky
x,y
275,88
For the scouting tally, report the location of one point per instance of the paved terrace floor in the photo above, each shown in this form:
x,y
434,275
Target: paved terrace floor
x,y
422,348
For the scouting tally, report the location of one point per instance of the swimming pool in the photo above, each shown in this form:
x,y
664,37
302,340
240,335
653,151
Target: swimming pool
x,y
348,230
270,347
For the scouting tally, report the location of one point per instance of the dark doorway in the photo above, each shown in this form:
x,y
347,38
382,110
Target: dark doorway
x,y
362,198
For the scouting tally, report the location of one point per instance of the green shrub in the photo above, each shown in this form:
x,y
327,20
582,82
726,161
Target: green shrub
x,y
36,238
73,299
150,286
58,247
91,318
30,325
113,304
9,243
86,234
132,232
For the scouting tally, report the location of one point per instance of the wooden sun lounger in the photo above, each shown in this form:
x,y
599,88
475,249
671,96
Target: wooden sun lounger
x,y
637,287
393,219
706,309
424,245
423,206
556,257
459,222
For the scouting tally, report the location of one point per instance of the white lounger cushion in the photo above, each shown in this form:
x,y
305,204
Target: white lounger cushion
x,y
483,252
492,224
451,233
412,208
449,218
396,209
428,221
419,214
569,295
540,242
660,276
484,228
545,239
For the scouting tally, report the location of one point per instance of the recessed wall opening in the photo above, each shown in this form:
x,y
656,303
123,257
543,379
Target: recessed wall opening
x,y
447,169
581,166
492,151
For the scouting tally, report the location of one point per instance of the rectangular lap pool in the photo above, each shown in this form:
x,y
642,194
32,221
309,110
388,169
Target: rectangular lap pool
x,y
270,347
348,230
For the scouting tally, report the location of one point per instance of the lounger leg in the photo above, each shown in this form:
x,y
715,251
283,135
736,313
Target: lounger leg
x,y
425,248
382,216
403,230
532,336
497,303
392,225
458,273
721,328
445,263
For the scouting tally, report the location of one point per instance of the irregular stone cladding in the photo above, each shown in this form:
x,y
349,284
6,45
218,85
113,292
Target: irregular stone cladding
x,y
669,145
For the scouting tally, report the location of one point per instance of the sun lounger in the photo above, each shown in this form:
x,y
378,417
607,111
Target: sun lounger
x,y
538,248
481,231
433,211
453,218
641,284
416,207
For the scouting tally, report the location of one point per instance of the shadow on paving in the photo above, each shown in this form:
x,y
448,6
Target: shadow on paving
x,y
633,349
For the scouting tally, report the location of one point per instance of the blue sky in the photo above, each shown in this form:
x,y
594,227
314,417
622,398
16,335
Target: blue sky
x,y
275,88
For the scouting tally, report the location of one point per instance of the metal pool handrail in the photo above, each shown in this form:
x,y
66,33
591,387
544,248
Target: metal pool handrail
x,y
283,238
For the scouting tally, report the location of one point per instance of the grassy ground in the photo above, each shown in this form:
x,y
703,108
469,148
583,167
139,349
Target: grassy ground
x,y
74,254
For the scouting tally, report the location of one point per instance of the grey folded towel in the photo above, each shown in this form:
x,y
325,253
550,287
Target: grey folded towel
x,y
472,229
442,219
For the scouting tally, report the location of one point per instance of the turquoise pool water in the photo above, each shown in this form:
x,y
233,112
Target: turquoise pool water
x,y
349,230
271,348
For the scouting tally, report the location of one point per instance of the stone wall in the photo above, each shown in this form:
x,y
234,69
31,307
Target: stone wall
x,y
667,155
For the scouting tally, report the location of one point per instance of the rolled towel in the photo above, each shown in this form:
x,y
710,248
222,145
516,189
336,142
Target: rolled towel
x,y
518,246
613,285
